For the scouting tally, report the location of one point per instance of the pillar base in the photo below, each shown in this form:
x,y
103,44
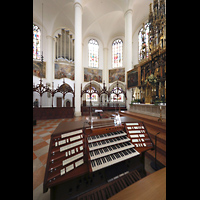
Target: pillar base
x,y
77,114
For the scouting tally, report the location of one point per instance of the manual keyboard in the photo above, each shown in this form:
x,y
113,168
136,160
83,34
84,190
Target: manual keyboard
x,y
113,158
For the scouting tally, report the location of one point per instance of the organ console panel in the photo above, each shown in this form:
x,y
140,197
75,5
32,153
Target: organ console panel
x,y
76,149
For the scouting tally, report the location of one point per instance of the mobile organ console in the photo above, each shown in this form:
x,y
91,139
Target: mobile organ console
x,y
76,150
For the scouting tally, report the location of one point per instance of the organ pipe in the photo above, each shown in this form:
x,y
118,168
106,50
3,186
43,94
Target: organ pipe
x,y
64,46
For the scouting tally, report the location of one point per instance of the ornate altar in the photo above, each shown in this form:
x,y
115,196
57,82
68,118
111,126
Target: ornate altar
x,y
152,66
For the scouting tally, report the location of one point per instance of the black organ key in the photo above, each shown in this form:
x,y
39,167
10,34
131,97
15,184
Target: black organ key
x,y
133,150
113,157
110,148
121,153
114,147
124,152
104,161
106,149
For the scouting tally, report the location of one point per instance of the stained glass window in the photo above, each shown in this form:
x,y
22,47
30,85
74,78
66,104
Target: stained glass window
x,y
117,53
94,97
93,47
36,42
143,41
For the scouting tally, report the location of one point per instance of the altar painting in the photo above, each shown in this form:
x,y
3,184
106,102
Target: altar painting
x,y
39,70
117,74
92,74
64,71
132,78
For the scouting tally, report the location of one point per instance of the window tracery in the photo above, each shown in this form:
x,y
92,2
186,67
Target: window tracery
x,y
117,53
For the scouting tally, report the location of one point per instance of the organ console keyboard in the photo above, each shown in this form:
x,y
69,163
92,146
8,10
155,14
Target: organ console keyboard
x,y
76,150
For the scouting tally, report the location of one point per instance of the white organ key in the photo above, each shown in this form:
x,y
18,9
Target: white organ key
x,y
69,146
138,127
78,163
134,140
66,154
144,144
72,151
134,136
62,171
62,142
71,133
75,138
71,159
69,168
81,148
56,143
131,124
76,150
141,135
138,131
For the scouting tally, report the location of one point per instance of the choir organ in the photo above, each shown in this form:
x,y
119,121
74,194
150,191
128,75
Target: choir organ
x,y
83,158
64,46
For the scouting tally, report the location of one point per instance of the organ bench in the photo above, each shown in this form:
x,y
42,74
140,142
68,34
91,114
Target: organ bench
x,y
82,158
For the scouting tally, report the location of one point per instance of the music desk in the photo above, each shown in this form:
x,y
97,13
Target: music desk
x,y
151,187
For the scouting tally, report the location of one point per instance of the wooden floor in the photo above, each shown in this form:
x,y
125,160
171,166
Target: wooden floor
x,y
153,127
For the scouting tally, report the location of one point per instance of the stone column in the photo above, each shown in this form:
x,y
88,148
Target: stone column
x,y
78,56
105,66
49,66
128,39
128,49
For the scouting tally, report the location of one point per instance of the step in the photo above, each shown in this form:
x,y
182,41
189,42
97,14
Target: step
x,y
160,158
161,147
148,120
161,137
145,116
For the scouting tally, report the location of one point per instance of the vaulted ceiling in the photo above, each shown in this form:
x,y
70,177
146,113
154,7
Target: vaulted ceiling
x,y
103,19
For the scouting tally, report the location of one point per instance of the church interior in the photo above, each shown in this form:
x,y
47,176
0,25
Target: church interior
x,y
99,99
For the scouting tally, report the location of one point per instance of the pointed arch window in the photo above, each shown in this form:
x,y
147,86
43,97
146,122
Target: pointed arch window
x,y
117,53
36,42
143,42
93,48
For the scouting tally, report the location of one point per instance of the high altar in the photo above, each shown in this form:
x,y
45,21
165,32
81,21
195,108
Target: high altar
x,y
152,58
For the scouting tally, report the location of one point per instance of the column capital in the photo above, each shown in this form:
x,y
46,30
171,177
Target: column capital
x,y
78,3
128,11
49,36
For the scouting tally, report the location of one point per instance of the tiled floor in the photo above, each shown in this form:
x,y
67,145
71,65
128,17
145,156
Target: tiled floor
x,y
41,139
